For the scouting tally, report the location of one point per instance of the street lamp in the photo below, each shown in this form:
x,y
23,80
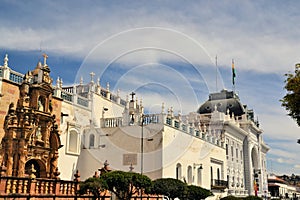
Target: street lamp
x,y
142,142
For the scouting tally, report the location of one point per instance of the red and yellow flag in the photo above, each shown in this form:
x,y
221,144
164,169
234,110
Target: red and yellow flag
x,y
233,72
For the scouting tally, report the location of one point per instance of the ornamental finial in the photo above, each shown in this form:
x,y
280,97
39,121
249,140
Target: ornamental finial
x,y
45,59
6,61
92,74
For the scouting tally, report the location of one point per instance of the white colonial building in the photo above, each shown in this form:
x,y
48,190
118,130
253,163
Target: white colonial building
x,y
219,147
245,148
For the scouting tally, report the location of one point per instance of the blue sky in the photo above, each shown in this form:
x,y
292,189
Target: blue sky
x,y
165,50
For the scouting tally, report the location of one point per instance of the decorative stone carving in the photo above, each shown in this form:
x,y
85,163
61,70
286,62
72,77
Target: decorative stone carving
x,y
31,139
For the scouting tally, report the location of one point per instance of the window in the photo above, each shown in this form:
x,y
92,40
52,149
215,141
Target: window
x,y
178,171
241,155
73,141
190,174
199,176
92,141
226,149
184,127
176,124
169,121
232,152
237,154
211,175
218,174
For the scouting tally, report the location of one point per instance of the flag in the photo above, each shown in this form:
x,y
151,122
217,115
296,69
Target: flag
x,y
233,73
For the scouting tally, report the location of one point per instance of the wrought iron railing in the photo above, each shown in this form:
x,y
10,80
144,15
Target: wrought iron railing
x,y
219,184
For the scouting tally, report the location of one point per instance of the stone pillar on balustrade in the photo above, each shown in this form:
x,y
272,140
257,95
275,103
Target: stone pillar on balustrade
x,y
108,92
162,116
171,115
77,180
32,182
74,95
179,119
187,123
58,88
3,181
6,69
98,87
126,115
118,97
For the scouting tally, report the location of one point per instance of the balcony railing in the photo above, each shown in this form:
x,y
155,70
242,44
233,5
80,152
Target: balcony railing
x,y
219,184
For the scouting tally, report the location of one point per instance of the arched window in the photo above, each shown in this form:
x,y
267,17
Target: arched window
x,y
178,171
92,140
190,174
199,181
73,141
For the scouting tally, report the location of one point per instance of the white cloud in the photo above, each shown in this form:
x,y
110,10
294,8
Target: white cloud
x,y
76,29
297,166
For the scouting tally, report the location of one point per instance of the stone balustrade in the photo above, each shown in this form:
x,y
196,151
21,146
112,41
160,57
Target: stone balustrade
x,y
213,136
113,122
16,186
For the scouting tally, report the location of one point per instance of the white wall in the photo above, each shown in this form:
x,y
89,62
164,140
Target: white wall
x,y
179,147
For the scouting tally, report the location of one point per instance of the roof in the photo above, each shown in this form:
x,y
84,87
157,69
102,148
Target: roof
x,y
223,101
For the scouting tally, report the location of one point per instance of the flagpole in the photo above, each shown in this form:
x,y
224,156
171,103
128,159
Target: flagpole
x,y
216,73
233,76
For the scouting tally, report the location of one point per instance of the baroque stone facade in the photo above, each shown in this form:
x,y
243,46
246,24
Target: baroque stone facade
x,y
31,136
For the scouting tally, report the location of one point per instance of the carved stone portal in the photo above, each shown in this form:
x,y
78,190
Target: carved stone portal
x,y
31,139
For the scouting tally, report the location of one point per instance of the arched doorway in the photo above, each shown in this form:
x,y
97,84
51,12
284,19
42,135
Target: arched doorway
x,y
38,166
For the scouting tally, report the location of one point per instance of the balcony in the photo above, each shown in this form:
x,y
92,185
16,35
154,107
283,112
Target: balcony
x,y
219,184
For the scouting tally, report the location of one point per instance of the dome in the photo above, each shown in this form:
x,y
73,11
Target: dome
x,y
223,101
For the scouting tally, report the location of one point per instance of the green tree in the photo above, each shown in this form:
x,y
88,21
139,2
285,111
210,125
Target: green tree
x,y
291,101
252,198
92,185
126,184
197,193
172,188
230,197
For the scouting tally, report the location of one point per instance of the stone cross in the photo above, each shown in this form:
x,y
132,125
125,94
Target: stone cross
x,y
45,59
132,95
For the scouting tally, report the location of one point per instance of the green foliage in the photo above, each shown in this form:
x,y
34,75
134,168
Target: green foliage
x,y
291,101
125,184
197,193
252,198
173,188
230,198
241,198
92,185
